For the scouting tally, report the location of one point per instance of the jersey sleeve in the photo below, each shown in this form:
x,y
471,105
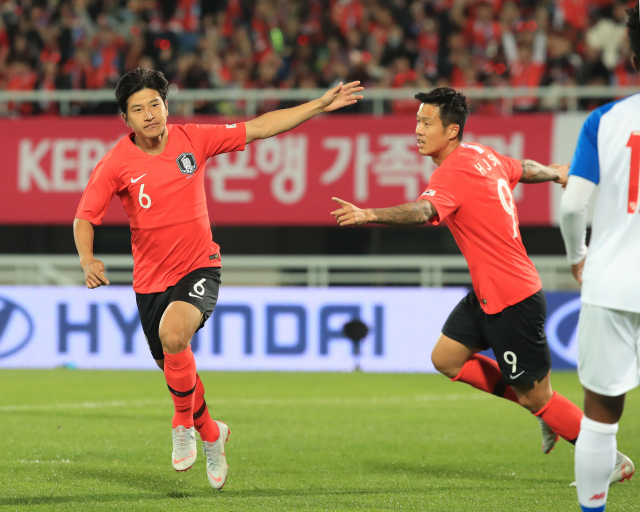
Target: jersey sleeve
x,y
513,168
219,138
97,196
445,192
586,163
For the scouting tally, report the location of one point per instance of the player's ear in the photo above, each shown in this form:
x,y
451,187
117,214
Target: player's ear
x,y
124,118
166,105
454,129
635,63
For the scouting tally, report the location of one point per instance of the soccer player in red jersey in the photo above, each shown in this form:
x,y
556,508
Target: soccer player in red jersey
x,y
158,173
506,310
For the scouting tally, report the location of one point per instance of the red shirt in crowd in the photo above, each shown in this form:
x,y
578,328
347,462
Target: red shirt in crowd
x,y
472,191
165,200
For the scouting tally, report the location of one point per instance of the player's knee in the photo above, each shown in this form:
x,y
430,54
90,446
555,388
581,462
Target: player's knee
x,y
173,342
533,400
444,364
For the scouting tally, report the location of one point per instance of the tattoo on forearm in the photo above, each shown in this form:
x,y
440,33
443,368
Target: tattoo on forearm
x,y
533,172
409,214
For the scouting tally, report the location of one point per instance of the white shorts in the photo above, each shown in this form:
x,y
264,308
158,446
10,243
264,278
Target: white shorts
x,y
608,350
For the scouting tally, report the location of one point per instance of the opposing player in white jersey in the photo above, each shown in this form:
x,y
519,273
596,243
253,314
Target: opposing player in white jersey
x,y
607,156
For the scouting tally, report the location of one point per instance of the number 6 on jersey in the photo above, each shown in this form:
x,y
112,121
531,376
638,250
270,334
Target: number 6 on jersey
x,y
144,197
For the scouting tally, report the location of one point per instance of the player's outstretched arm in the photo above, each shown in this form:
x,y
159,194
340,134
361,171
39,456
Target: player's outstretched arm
x,y
410,214
534,172
93,268
279,121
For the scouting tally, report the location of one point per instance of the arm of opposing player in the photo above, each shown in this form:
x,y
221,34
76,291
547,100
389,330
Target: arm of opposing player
x,y
573,217
280,121
409,214
584,176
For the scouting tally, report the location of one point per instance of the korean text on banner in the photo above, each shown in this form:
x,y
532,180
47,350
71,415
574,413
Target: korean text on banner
x,y
284,180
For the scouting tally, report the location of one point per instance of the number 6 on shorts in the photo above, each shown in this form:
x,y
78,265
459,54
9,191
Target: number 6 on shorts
x,y
510,358
198,288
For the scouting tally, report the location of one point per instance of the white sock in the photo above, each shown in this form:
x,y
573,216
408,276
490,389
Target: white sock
x,y
595,461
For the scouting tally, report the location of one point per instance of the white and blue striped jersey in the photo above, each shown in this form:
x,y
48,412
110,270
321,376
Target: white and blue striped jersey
x,y
608,154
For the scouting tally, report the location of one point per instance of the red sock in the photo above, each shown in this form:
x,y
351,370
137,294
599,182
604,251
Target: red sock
x,y
180,374
206,427
563,416
484,374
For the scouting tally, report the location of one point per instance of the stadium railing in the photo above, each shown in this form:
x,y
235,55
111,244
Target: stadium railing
x,y
186,98
426,271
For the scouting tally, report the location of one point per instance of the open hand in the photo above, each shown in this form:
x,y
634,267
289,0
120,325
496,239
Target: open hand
x,y
349,214
340,96
564,173
94,273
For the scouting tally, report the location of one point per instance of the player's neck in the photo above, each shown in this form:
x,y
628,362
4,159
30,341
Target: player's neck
x,y
154,146
445,152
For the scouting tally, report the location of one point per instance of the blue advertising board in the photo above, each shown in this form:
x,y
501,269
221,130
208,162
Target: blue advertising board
x,y
281,329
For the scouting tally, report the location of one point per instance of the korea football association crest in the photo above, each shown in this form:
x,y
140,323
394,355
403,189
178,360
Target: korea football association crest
x,y
187,163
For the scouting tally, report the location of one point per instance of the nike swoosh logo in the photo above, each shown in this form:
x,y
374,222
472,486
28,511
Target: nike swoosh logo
x,y
215,479
196,296
133,181
185,458
516,376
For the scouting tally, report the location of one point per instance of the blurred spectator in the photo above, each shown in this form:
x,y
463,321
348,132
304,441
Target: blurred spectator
x,y
281,44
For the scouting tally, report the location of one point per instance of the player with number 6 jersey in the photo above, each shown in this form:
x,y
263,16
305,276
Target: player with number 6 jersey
x,y
158,173
506,309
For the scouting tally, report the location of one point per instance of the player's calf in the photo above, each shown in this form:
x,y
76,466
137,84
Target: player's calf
x,y
206,427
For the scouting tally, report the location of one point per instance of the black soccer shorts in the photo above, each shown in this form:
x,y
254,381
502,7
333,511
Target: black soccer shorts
x,y
199,287
516,336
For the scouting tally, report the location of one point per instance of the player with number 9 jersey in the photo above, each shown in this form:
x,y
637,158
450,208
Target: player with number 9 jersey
x,y
472,190
506,310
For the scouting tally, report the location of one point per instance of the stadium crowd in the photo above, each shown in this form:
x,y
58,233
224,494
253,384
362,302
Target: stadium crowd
x,y
89,44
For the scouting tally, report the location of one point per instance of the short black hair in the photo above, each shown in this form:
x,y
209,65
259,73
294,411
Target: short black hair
x,y
137,80
633,26
451,104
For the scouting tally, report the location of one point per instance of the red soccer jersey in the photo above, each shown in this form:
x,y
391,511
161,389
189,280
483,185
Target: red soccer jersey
x,y
165,200
472,190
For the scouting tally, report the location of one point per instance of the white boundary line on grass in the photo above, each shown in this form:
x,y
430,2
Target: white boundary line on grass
x,y
252,402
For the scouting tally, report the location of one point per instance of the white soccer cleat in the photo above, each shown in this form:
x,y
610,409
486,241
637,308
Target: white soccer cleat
x,y
217,467
624,469
549,437
184,448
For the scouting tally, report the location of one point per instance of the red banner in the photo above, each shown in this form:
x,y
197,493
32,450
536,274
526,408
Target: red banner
x,y
285,180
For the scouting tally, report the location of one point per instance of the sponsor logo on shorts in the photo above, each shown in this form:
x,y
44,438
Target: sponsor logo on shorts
x,y
516,376
230,125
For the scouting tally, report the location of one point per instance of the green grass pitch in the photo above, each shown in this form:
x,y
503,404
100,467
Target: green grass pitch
x,y
98,440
